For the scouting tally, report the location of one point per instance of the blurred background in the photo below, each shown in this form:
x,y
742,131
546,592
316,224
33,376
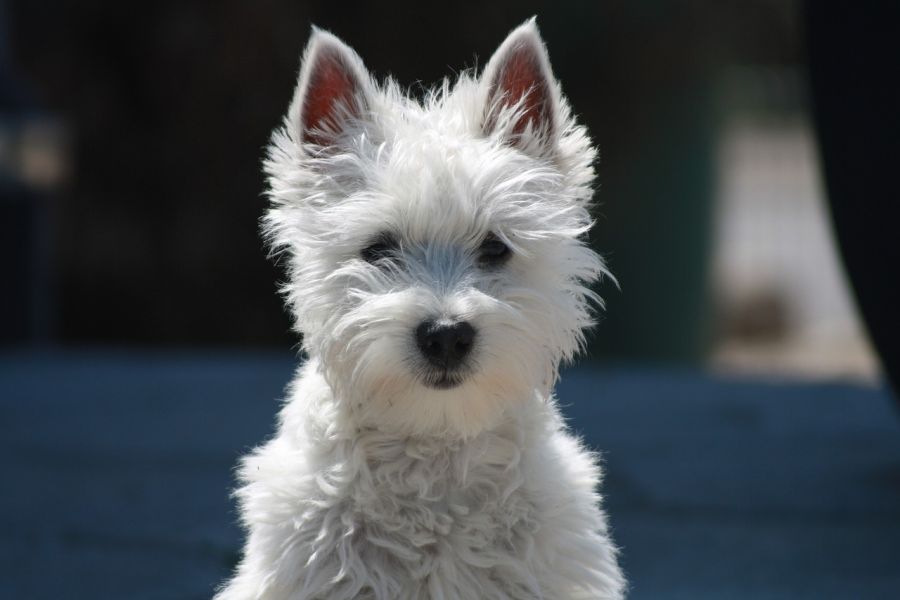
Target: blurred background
x,y
133,139
740,143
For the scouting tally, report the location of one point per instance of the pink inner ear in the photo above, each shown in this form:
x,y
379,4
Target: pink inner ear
x,y
332,89
522,78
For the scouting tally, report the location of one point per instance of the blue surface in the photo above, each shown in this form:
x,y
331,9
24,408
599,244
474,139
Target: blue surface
x,y
117,467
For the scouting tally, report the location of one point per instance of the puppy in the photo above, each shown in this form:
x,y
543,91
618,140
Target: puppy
x,y
439,275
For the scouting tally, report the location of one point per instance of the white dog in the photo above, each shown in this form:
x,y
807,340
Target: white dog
x,y
439,276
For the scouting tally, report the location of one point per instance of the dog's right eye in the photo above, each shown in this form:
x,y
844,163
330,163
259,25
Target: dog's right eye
x,y
383,246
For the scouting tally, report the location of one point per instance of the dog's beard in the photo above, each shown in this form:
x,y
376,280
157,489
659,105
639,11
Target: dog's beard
x,y
380,377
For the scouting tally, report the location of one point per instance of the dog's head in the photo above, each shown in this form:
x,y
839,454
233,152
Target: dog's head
x,y
438,271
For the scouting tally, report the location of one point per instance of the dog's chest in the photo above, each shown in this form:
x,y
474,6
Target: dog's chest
x,y
428,512
438,500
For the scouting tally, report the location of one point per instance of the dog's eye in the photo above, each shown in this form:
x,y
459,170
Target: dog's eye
x,y
493,252
383,246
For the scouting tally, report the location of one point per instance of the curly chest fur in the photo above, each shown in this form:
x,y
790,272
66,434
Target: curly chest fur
x,y
420,508
510,514
413,519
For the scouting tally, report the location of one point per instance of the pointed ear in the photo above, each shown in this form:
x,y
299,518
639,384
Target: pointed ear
x,y
520,91
333,91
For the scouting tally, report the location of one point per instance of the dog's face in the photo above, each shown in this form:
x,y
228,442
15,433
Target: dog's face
x,y
437,270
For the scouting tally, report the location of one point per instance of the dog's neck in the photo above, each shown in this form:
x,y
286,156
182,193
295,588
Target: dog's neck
x,y
436,467
414,464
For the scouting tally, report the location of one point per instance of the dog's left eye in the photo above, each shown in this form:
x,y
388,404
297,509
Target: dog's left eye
x,y
493,252
383,246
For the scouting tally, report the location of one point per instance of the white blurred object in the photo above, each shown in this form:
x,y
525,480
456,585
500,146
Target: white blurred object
x,y
35,151
784,303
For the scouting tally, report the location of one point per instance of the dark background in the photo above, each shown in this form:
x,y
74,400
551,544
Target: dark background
x,y
150,235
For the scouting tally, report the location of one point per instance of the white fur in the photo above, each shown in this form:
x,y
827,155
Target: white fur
x,y
375,485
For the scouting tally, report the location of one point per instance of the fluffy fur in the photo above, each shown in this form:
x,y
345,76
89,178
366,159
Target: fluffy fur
x,y
378,485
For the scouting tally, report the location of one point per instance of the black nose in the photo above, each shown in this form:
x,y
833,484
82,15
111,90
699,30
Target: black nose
x,y
445,344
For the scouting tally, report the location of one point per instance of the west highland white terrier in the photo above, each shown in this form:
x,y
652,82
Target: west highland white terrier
x,y
439,276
